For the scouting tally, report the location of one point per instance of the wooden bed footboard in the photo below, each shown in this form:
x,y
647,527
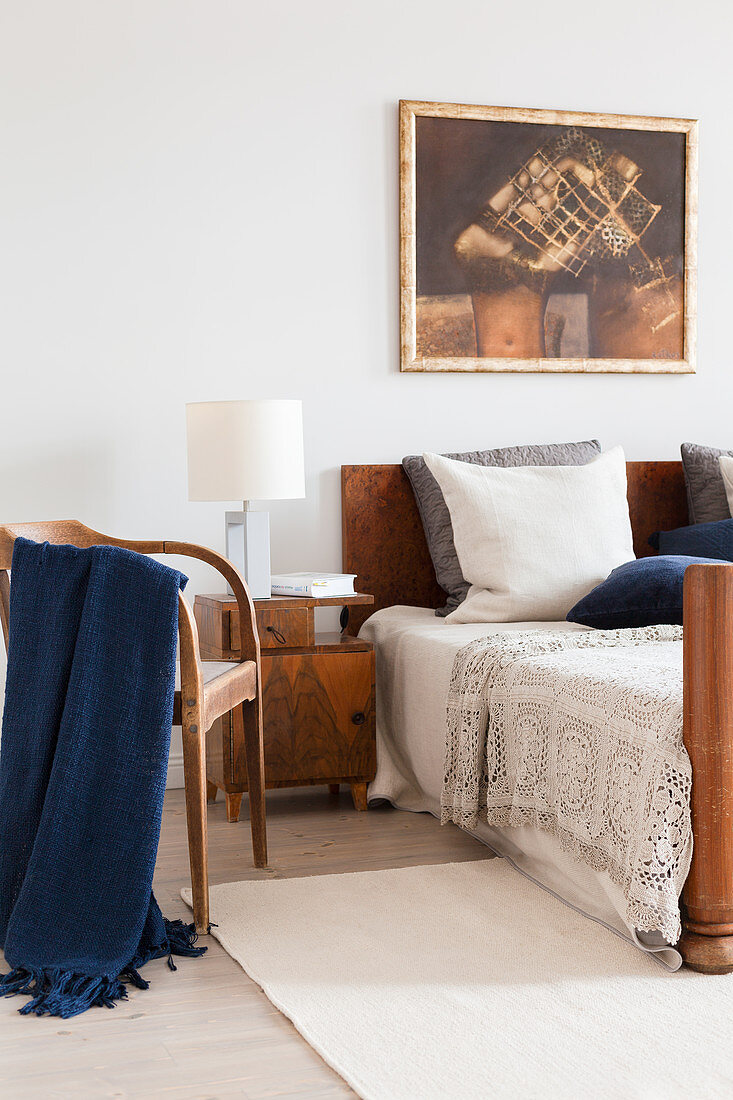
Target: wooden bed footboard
x,y
707,939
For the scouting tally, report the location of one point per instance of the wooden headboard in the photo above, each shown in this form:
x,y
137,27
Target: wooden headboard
x,y
384,542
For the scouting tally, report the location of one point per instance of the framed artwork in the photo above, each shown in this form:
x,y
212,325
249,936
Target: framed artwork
x,y
546,240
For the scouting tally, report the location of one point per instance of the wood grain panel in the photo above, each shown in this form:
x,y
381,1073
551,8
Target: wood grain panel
x,y
657,501
384,542
318,716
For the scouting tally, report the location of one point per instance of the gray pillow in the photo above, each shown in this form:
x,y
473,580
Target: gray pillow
x,y
436,517
706,499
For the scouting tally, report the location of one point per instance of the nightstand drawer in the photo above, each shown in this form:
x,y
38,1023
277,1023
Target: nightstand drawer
x,y
278,629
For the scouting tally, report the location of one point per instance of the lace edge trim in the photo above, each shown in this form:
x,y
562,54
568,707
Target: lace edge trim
x,y
643,915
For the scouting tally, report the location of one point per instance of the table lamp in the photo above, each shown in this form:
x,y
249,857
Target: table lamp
x,y
246,450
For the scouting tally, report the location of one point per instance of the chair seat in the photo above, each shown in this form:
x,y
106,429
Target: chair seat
x,y
226,684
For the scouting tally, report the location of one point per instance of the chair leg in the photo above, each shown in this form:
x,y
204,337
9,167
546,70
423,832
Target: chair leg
x,y
250,714
194,773
211,791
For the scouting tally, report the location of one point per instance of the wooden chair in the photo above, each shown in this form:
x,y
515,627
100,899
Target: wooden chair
x,y
204,695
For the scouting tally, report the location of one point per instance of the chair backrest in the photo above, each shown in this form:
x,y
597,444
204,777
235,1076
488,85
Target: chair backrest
x,y
67,532
72,533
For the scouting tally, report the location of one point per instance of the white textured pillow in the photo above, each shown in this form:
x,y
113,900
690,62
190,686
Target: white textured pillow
x,y
726,469
534,540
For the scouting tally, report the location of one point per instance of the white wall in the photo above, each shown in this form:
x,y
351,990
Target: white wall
x,y
198,200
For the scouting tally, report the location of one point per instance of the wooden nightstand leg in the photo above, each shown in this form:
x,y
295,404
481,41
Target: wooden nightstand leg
x,y
211,791
334,788
359,794
234,801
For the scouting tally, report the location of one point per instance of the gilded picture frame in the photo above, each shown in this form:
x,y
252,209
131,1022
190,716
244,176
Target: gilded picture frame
x,y
550,241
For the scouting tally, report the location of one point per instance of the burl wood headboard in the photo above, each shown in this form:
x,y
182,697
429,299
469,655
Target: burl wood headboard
x,y
384,542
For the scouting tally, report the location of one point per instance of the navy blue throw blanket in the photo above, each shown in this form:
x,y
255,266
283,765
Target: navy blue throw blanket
x,y
85,739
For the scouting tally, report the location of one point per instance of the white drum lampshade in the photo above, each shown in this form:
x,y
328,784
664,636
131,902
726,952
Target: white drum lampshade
x,y
246,450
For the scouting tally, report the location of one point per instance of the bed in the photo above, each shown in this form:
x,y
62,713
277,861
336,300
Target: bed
x,y
385,546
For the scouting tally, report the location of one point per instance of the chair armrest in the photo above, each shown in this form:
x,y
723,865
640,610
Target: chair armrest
x,y
250,639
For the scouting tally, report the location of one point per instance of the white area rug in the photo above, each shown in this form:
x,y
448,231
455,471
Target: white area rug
x,y
467,980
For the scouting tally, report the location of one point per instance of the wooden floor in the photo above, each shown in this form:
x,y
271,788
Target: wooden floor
x,y
207,1031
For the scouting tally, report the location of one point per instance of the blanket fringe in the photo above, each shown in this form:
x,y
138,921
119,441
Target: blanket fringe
x,y
65,993
181,940
61,992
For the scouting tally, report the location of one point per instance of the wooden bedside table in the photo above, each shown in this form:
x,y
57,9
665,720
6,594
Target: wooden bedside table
x,y
317,698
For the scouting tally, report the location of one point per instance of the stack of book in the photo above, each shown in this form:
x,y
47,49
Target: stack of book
x,y
313,584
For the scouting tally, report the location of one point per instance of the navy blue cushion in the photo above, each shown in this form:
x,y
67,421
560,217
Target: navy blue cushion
x,y
644,592
712,540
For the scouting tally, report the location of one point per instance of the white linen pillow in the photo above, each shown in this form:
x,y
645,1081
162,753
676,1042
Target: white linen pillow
x,y
534,540
726,469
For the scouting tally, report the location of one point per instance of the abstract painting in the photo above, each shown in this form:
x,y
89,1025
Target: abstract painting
x,y
546,240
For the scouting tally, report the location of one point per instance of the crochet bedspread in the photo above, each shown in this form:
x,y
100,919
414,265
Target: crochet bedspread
x,y
579,735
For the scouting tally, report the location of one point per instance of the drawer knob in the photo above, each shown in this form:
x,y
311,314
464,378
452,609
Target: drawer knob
x,y
359,718
278,634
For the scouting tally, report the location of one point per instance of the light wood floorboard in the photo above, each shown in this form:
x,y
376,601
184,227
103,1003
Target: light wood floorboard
x,y
207,1032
